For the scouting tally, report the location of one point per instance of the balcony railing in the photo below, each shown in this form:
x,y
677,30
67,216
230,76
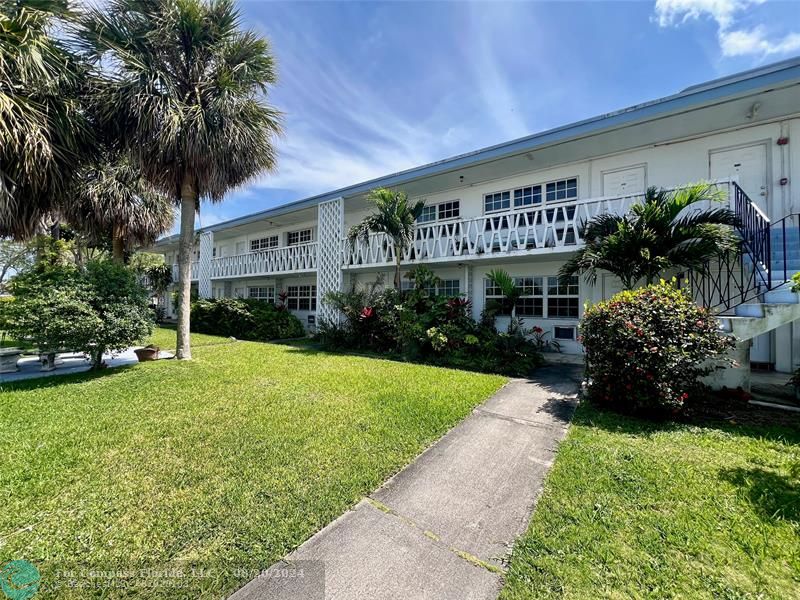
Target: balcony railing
x,y
276,261
533,229
175,272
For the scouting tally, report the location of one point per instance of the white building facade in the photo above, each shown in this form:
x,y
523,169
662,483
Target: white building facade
x,y
519,206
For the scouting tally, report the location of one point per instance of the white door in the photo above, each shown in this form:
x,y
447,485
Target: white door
x,y
240,246
749,166
624,182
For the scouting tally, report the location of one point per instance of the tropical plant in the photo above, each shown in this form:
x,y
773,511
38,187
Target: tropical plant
x,y
43,131
395,217
511,293
646,349
417,325
186,99
670,229
111,199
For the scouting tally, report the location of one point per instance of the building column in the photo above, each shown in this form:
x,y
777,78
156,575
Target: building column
x,y
330,228
204,264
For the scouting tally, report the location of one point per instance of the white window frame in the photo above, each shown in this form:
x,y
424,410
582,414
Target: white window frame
x,y
542,195
304,236
261,292
296,295
559,295
264,243
437,209
537,287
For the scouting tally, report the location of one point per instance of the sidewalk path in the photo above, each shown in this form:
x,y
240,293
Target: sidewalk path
x,y
441,527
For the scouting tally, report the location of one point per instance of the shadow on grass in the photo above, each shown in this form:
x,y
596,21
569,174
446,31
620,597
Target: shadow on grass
x,y
60,379
775,497
590,415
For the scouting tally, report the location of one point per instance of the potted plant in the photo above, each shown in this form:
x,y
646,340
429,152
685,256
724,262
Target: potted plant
x,y
149,352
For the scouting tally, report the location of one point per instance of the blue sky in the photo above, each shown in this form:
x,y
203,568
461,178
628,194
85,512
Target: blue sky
x,y
368,89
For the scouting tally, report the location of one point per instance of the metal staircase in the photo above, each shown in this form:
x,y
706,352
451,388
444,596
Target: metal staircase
x,y
751,291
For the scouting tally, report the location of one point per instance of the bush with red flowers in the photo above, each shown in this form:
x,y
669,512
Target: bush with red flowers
x,y
647,349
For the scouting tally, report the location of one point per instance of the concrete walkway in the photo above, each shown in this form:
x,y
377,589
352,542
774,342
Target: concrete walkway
x,y
440,528
29,367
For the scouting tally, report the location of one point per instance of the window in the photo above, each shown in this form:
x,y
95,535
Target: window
x,y
528,196
261,293
441,212
450,287
563,333
565,189
554,301
427,215
301,297
264,243
298,237
496,201
555,191
238,292
530,303
449,210
562,298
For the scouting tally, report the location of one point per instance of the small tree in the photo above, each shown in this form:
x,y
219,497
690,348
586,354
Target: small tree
x,y
395,217
667,230
58,307
511,294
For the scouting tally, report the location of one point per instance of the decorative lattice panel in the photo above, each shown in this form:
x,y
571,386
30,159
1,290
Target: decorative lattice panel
x,y
329,255
204,264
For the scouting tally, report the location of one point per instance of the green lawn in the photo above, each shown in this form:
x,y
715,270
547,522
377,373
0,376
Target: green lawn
x,y
632,510
225,463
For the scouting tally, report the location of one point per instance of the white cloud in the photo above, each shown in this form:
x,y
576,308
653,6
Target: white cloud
x,y
755,41
676,12
726,13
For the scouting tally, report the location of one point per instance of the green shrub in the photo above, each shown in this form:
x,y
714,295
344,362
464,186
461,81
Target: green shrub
x,y
60,307
416,325
646,349
245,319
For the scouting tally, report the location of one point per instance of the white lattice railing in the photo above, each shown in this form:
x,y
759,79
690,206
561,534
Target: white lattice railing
x,y
276,261
512,232
175,272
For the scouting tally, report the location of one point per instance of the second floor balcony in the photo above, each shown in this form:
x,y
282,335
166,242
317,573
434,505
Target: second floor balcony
x,y
194,272
275,261
537,229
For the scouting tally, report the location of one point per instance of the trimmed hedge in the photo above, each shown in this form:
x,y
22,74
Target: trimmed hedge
x,y
647,349
245,319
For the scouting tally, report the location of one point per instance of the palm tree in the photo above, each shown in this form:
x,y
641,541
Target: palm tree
x,y
43,131
670,229
112,200
511,294
395,217
186,99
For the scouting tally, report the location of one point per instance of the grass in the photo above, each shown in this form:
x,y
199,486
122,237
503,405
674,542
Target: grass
x,y
636,510
225,463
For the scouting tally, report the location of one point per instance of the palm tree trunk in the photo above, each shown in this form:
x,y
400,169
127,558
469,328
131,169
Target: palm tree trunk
x,y
117,246
397,269
185,249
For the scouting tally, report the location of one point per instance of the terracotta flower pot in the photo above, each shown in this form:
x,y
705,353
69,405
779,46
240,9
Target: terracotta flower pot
x,y
147,353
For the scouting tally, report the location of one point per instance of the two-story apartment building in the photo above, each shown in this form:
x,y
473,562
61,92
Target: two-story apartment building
x,y
519,206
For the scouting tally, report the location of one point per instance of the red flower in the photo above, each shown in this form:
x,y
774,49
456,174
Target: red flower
x,y
367,313
537,329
